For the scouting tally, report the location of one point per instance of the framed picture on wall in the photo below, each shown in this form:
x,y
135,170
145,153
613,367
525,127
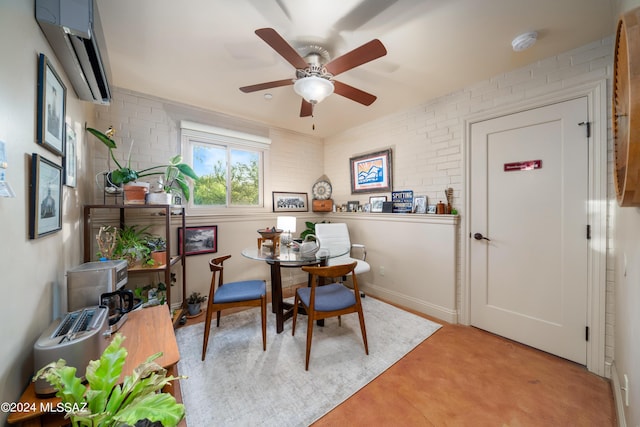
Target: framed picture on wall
x,y
371,172
198,240
52,99
69,163
290,202
45,197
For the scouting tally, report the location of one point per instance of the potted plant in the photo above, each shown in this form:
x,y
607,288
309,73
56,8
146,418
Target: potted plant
x,y
175,173
310,230
106,401
194,301
131,245
158,247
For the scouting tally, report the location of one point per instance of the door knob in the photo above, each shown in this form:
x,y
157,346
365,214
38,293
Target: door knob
x,y
479,236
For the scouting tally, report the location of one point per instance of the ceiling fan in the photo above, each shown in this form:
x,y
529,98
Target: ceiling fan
x,y
315,72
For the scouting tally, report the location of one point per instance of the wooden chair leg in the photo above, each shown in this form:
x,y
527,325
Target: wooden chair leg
x,y
207,329
263,308
363,330
309,336
295,314
218,319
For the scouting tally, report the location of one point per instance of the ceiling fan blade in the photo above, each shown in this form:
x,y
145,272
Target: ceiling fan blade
x,y
358,56
267,85
353,94
280,45
306,109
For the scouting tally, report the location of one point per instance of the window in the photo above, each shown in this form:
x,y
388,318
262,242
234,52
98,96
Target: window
x,y
229,164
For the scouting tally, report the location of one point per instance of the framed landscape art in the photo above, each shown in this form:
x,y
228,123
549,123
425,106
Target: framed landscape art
x,y
371,173
198,240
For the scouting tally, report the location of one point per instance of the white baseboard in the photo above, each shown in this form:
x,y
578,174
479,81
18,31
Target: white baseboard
x,y
617,396
446,314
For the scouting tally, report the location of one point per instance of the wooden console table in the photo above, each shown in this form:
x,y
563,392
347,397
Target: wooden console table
x,y
146,331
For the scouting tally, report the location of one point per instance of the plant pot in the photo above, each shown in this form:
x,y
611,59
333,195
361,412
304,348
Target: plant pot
x,y
159,258
136,193
194,309
159,198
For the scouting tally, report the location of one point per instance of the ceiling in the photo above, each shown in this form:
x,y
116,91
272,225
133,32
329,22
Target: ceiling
x,y
199,52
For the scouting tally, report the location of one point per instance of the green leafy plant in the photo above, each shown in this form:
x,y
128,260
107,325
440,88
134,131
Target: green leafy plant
x,y
196,298
105,402
176,173
136,244
132,244
310,229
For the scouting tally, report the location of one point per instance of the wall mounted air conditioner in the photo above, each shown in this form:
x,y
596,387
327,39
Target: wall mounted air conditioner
x,y
73,30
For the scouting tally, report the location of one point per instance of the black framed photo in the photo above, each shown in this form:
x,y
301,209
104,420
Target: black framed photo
x,y
52,100
70,159
352,206
376,203
371,173
45,197
198,240
290,202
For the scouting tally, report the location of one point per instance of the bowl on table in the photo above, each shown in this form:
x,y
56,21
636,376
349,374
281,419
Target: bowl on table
x,y
268,233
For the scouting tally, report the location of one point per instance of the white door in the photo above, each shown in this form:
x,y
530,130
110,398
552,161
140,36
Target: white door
x,y
528,227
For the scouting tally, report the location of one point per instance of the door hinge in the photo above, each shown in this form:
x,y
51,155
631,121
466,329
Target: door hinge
x,y
588,232
588,125
586,333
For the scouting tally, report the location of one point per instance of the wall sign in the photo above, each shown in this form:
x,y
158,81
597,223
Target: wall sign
x,y
523,166
402,201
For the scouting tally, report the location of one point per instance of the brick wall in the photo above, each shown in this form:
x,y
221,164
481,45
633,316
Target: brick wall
x,y
427,140
153,125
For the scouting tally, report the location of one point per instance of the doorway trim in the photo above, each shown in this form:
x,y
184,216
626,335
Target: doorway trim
x,y
596,93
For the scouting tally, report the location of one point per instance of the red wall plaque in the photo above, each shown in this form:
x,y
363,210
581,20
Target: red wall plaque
x,y
523,166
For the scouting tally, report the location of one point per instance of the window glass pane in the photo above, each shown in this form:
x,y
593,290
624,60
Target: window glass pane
x,y
210,164
245,177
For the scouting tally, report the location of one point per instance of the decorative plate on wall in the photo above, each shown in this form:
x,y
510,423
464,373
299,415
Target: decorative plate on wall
x,y
625,115
322,189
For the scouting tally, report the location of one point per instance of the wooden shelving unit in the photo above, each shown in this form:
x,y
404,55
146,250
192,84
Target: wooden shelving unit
x,y
165,216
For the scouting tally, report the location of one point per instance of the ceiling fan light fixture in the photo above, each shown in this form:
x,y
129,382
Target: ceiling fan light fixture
x,y
524,41
313,89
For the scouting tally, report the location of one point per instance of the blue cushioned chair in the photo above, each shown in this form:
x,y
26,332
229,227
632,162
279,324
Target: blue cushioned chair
x,y
322,301
248,293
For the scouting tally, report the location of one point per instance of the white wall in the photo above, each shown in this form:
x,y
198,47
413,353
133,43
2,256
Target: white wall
x,y
427,140
427,144
427,158
31,269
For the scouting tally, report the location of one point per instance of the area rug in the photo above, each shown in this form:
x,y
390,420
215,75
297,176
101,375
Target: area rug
x,y
238,384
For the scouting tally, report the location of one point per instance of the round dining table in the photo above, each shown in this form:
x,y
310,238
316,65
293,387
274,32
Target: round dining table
x,y
289,257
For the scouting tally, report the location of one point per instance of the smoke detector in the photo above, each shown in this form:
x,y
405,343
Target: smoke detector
x,y
524,41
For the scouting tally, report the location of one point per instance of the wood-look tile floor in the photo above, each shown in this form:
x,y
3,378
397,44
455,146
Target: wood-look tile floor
x,y
463,376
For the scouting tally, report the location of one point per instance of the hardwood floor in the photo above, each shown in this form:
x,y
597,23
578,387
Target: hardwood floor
x,y
463,376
